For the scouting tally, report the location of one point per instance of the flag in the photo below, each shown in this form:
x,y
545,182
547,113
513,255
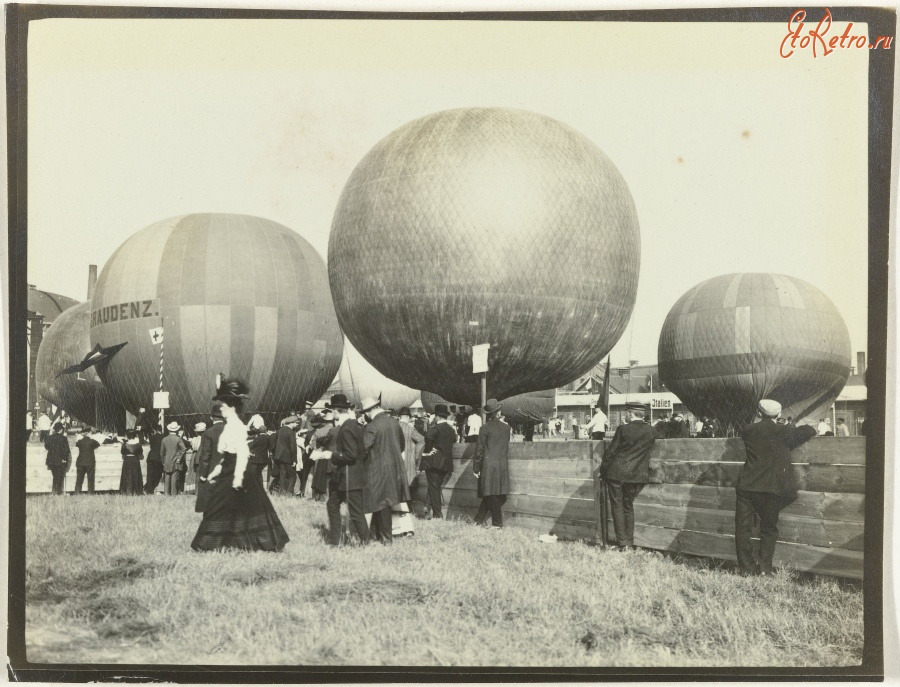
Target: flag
x,y
156,335
606,388
98,354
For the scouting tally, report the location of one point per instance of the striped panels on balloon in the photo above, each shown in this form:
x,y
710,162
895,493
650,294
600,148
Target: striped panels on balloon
x,y
737,338
234,294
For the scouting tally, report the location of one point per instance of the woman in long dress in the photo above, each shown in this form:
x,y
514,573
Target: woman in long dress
x,y
238,513
132,481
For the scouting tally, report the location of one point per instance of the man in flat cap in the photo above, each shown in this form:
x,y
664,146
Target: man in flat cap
x,y
172,451
491,464
349,480
386,485
765,485
626,470
284,456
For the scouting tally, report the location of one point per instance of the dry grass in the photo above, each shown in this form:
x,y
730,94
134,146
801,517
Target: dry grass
x,y
112,579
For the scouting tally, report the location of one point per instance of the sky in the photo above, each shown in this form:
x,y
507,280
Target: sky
x,y
738,160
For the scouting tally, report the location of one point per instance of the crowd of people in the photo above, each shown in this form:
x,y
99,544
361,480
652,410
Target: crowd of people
x,y
378,463
365,456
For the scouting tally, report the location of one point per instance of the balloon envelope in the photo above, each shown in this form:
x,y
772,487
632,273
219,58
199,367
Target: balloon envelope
x,y
736,339
234,294
484,225
535,406
82,395
359,380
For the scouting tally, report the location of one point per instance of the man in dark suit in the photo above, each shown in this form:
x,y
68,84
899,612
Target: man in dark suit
x,y
59,457
86,462
437,459
284,456
491,464
765,485
386,483
259,442
349,479
626,470
154,461
208,457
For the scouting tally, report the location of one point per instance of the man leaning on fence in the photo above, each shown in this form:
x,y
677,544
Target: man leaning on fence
x,y
626,470
765,485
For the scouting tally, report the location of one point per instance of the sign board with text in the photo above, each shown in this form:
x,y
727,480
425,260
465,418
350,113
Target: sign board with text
x,y
480,358
661,404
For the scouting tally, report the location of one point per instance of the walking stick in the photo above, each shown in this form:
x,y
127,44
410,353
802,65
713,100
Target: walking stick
x,y
345,524
604,517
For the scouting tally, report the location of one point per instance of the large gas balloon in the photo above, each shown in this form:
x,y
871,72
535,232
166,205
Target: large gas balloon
x,y
359,380
484,225
738,338
234,294
81,394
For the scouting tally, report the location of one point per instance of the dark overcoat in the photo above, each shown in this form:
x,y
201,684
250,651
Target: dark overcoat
x,y
259,449
86,457
285,450
441,437
627,459
348,457
58,451
208,457
384,443
492,458
768,465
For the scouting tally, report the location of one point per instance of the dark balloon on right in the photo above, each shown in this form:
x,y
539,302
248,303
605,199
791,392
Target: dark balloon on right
x,y
738,338
484,226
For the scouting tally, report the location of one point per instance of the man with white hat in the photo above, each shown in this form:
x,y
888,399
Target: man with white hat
x,y
386,485
765,485
171,451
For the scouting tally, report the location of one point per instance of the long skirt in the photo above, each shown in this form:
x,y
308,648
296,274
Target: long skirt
x,y
132,481
239,518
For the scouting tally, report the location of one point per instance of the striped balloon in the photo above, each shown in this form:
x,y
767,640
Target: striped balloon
x,y
234,294
738,338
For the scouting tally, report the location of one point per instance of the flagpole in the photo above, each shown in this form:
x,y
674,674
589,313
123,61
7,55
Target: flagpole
x,y
162,411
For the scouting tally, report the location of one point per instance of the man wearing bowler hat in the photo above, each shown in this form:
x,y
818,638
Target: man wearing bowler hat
x,y
349,480
626,469
437,460
491,464
765,485
386,485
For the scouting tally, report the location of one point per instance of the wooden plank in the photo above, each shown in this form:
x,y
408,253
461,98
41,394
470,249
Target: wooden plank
x,y
818,451
830,478
825,561
791,528
813,504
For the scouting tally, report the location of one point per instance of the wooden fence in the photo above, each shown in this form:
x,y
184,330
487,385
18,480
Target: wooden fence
x,y
690,507
107,473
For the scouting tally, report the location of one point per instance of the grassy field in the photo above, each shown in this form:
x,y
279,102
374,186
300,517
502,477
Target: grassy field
x,y
112,579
